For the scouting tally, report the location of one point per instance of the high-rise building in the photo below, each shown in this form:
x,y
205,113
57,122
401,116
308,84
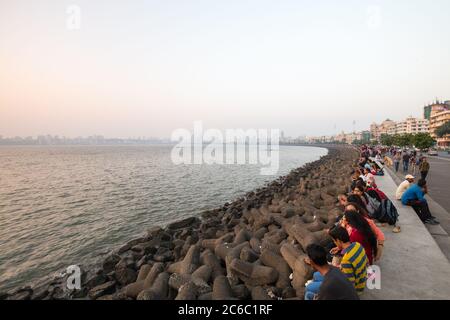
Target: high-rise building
x,y
437,119
386,127
437,106
412,125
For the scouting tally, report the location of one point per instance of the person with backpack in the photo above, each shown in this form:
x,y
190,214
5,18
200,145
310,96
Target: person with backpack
x,y
414,196
373,191
388,214
379,206
372,203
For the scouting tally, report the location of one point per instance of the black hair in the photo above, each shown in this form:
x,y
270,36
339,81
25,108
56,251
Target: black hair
x,y
339,233
356,199
360,207
361,185
358,222
317,254
422,182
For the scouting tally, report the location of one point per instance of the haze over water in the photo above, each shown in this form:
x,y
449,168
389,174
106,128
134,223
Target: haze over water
x,y
63,205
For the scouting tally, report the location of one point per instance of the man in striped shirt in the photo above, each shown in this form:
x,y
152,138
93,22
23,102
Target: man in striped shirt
x,y
354,262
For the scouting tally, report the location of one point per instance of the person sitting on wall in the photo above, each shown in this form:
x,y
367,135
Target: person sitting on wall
x,y
329,283
369,177
354,206
354,261
414,196
409,180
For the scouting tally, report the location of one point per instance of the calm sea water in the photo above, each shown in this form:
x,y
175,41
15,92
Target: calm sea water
x,y
63,205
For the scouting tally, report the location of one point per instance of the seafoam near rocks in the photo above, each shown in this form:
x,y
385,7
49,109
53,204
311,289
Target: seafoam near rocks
x,y
253,247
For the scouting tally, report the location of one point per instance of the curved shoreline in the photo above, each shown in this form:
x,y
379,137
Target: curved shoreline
x,y
187,257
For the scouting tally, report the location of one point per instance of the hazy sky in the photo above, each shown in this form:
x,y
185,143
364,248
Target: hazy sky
x,y
145,68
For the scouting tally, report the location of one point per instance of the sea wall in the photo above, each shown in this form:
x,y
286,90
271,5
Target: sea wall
x,y
252,248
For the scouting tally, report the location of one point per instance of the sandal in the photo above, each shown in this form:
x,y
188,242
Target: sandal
x,y
396,229
380,224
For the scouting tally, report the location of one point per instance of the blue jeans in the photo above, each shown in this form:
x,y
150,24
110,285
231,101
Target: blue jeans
x,y
405,166
313,288
396,164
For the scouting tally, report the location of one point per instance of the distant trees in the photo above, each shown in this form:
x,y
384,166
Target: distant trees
x,y
418,140
386,139
423,141
443,130
404,140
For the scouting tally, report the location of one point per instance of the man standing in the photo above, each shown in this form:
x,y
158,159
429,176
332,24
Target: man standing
x,y
424,167
333,284
409,179
414,197
406,157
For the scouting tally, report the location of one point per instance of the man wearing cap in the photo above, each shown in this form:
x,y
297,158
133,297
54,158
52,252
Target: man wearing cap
x,y
409,179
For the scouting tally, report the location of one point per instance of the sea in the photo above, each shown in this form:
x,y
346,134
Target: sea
x,y
66,205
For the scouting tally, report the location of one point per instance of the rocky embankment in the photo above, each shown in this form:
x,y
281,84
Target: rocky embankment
x,y
252,248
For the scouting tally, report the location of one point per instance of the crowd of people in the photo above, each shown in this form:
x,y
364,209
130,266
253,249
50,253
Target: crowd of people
x,y
412,162
410,193
342,266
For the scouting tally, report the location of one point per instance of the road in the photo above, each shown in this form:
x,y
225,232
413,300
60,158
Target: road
x,y
438,180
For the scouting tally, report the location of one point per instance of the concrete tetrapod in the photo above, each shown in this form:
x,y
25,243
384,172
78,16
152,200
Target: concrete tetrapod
x,y
222,289
199,279
301,271
228,253
132,290
277,262
253,274
190,262
211,260
158,291
213,243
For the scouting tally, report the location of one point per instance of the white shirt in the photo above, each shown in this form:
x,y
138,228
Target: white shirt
x,y
401,189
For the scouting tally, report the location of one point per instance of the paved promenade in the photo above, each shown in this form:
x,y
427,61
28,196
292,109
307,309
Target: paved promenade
x,y
413,266
438,180
438,199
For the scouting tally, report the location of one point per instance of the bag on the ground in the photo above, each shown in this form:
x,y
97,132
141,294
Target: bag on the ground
x,y
388,212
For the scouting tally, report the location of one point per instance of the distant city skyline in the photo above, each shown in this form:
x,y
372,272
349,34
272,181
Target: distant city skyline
x,y
142,137
130,69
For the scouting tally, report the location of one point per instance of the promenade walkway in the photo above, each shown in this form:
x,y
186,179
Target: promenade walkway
x,y
438,198
413,266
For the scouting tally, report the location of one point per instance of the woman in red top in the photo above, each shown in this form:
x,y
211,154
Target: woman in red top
x,y
361,232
